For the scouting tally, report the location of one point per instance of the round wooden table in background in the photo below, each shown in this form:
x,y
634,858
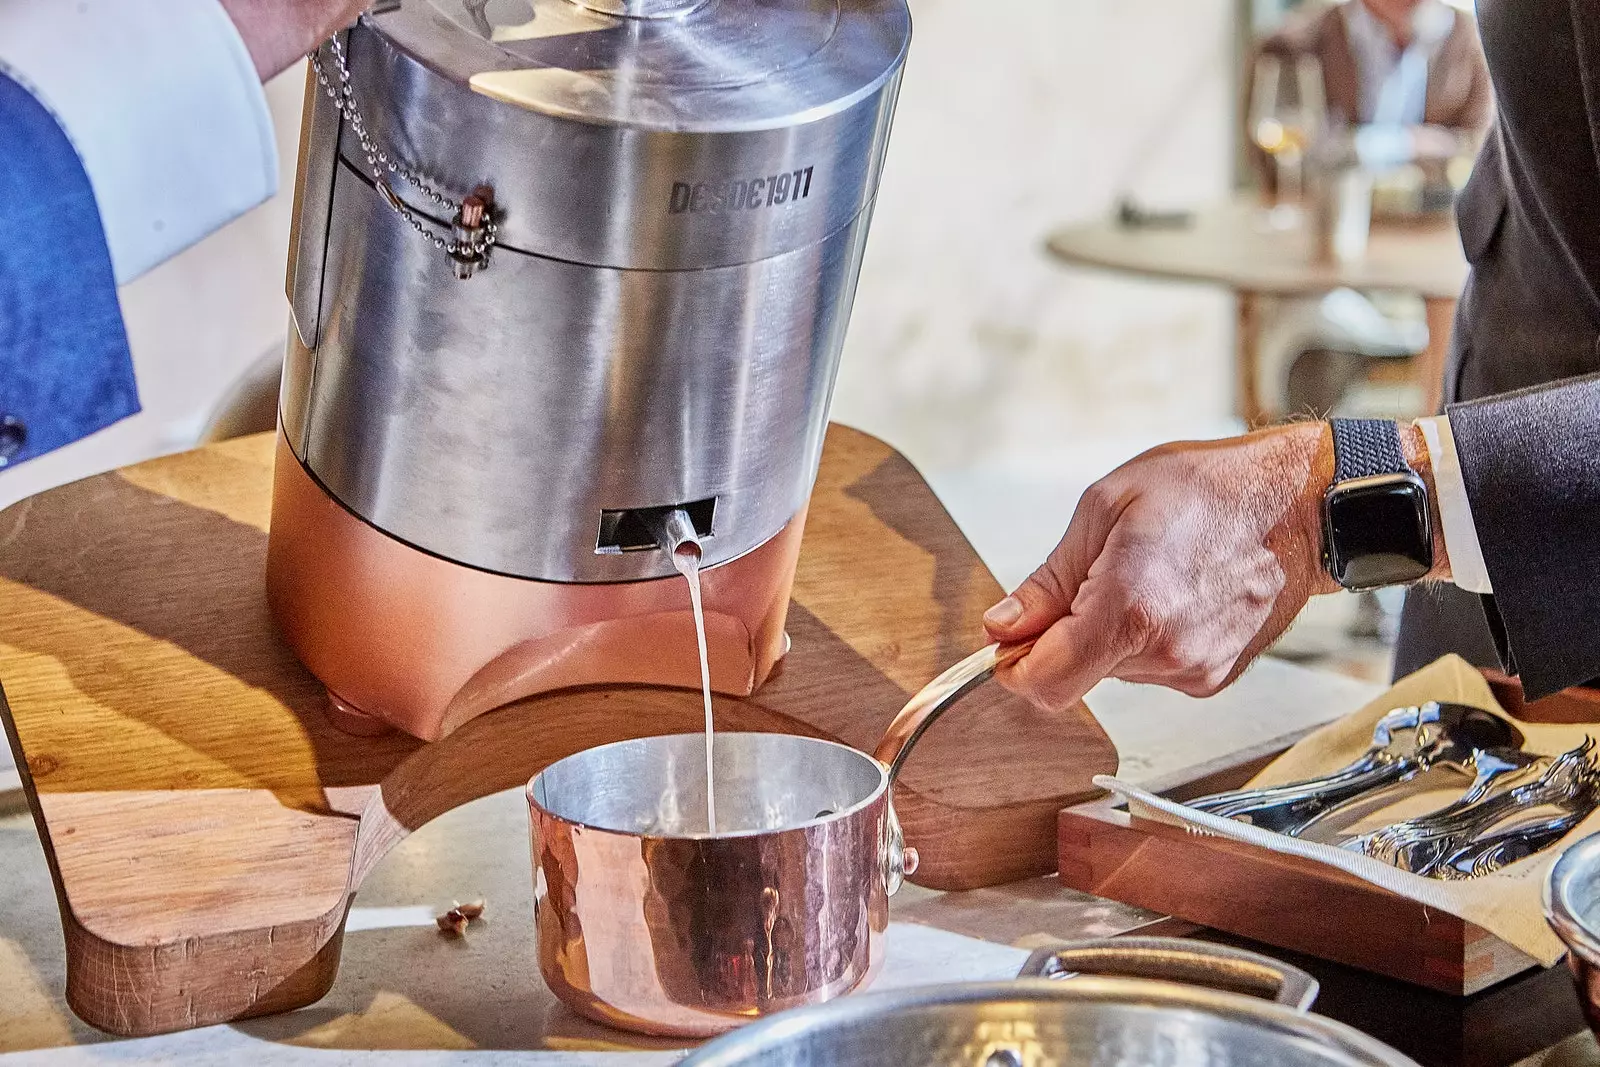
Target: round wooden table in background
x,y
1231,245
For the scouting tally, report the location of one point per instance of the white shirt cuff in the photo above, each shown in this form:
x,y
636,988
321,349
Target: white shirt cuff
x,y
162,103
1467,568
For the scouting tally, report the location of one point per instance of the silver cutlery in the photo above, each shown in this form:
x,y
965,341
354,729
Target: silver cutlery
x,y
1477,840
1498,770
1405,743
1489,854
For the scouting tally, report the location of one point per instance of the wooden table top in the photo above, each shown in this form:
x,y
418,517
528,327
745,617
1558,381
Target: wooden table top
x,y
1230,244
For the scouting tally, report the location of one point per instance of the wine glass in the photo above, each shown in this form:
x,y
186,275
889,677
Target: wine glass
x,y
1287,115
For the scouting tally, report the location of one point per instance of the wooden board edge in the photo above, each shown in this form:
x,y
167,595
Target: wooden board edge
x,y
1490,961
1088,828
103,977
1021,841
112,986
31,794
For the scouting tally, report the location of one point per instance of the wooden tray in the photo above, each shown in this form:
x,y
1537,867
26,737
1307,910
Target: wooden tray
x,y
1283,901
206,828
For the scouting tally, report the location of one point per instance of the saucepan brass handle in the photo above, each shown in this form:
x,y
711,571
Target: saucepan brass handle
x,y
938,697
1171,959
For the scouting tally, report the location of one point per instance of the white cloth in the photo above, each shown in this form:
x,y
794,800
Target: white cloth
x,y
1393,82
1467,568
163,104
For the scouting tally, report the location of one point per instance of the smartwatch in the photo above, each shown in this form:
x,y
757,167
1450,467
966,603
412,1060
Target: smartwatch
x,y
1377,528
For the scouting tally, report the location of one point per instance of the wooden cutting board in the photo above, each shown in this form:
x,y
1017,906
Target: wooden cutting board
x,y
207,829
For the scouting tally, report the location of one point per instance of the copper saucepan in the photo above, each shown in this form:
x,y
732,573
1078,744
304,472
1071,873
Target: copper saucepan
x,y
648,922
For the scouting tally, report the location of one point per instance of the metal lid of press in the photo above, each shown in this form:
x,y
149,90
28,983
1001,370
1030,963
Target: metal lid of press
x,y
679,65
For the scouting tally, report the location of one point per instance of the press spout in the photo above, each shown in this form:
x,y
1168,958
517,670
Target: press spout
x,y
674,531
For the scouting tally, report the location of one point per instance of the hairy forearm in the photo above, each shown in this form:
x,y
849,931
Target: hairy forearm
x,y
1183,565
279,32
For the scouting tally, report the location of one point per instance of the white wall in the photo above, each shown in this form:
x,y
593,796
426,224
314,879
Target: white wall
x,y
1017,116
1004,376
1010,380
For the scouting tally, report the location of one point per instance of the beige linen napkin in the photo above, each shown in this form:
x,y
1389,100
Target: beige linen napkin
x,y
1506,903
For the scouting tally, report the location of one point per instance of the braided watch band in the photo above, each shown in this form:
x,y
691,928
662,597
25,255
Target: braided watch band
x,y
1365,447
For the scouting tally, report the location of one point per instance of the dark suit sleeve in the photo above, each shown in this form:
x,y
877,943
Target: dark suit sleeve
x,y
65,367
1531,463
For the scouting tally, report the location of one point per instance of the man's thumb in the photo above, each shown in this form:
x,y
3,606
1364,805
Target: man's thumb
x,y
1029,611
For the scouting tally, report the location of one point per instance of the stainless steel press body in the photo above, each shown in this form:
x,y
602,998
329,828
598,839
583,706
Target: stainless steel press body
x,y
560,267
680,193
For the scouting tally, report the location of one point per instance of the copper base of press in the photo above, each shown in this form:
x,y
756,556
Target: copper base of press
x,y
408,640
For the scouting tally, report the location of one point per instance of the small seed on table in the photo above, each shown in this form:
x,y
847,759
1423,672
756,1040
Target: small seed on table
x,y
454,922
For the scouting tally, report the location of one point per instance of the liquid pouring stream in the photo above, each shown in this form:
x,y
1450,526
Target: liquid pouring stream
x,y
686,557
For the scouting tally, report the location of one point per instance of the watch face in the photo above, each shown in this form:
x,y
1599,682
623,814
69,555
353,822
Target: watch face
x,y
1377,531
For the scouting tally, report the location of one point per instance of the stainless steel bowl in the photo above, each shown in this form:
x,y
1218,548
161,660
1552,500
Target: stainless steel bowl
x,y
1572,907
1081,1022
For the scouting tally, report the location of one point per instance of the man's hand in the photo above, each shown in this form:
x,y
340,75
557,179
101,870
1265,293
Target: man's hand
x,y
279,32
1181,566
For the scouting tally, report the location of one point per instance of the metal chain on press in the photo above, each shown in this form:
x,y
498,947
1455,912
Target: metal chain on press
x,y
474,228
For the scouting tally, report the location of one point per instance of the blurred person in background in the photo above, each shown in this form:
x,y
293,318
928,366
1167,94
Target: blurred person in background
x,y
1405,87
1406,79
128,131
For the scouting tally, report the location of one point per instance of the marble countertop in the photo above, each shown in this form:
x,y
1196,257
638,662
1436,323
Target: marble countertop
x,y
406,996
